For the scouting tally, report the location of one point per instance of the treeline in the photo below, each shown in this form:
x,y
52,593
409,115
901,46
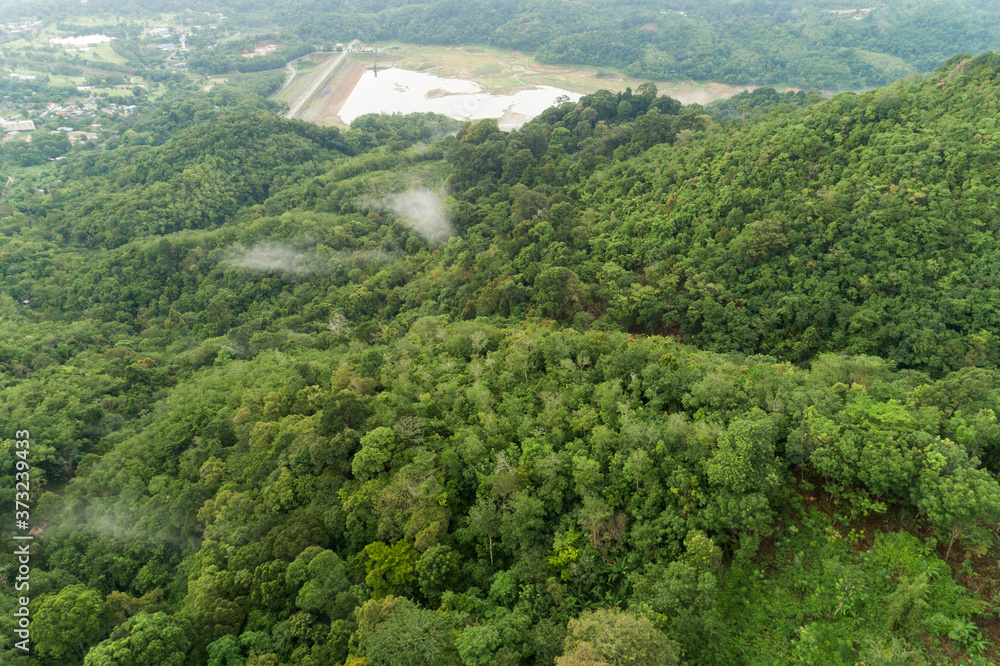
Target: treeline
x,y
817,45
224,58
121,30
42,148
746,43
38,91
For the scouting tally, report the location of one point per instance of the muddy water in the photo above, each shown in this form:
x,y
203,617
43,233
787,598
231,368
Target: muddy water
x,y
403,91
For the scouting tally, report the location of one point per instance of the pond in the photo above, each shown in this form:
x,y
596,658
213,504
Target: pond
x,y
85,40
404,91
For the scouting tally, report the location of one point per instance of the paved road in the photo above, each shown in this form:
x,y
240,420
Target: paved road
x,y
288,66
320,80
295,72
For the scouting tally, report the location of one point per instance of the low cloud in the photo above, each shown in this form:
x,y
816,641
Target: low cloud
x,y
423,211
268,257
283,258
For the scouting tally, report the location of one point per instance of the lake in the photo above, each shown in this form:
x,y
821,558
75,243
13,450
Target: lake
x,y
403,91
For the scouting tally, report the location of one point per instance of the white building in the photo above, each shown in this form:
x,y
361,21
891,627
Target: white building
x,y
19,126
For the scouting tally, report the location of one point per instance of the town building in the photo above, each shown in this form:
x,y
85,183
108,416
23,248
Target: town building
x,y
18,125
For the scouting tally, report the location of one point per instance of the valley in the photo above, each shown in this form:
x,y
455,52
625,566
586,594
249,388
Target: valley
x,y
318,96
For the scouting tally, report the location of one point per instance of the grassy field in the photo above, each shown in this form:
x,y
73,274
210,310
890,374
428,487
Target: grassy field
x,y
54,79
213,83
97,57
305,63
157,93
50,30
115,92
61,80
251,34
15,45
505,71
155,21
502,71
105,53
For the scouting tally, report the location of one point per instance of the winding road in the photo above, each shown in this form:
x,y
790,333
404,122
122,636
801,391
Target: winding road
x,y
288,66
321,78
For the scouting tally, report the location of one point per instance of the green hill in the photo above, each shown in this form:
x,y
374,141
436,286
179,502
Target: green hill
x,y
628,384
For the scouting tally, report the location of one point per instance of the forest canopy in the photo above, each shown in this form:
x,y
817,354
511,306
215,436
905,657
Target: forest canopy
x,y
634,382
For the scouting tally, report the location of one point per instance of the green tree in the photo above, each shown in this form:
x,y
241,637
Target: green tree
x,y
225,652
319,577
377,449
145,639
961,501
744,460
614,636
682,599
67,623
746,469
477,645
391,569
411,636
437,571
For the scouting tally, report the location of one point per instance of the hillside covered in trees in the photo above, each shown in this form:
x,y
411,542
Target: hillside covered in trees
x,y
636,383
